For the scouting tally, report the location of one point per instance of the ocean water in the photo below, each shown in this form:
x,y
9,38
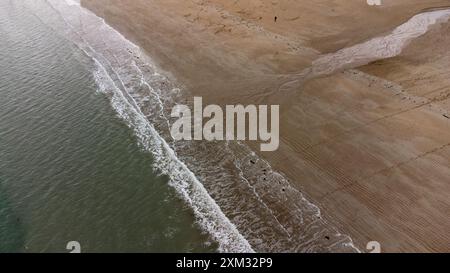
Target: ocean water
x,y
70,168
86,153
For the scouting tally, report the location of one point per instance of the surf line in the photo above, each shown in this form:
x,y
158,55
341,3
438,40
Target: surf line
x,y
190,125
208,214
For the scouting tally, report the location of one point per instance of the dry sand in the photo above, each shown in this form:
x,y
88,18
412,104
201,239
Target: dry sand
x,y
370,147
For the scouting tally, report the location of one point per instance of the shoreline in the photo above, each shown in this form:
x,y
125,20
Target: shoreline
x,y
207,64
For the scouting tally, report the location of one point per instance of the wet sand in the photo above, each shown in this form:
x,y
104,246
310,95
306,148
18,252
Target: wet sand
x,y
364,145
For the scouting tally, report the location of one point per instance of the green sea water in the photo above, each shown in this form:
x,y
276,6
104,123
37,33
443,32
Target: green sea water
x,y
70,169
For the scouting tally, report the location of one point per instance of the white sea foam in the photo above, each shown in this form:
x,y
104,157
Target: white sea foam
x,y
208,214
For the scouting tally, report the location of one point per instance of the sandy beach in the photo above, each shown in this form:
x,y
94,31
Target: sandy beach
x,y
369,144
